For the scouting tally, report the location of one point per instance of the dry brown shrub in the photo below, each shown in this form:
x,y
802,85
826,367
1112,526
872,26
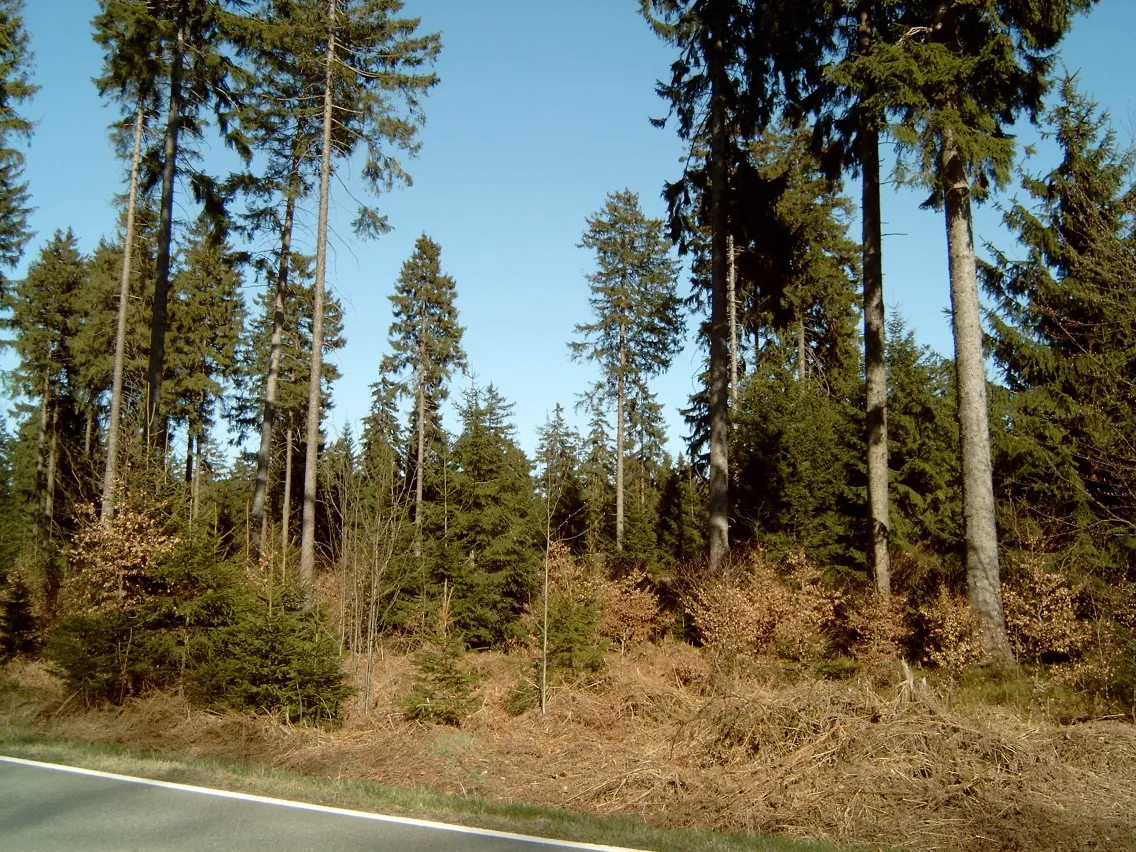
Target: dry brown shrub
x,y
763,609
951,631
110,562
1041,614
878,628
629,610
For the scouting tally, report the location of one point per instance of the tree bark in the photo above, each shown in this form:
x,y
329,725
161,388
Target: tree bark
x,y
52,465
189,455
286,509
875,343
272,379
195,488
160,317
110,471
620,420
719,496
420,463
311,456
732,302
982,572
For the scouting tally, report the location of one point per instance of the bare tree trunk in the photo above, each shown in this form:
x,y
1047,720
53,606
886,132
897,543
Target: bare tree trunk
x,y
189,454
620,420
264,454
982,572
719,496
879,557
732,302
419,466
89,432
195,490
110,471
286,509
52,464
160,318
311,456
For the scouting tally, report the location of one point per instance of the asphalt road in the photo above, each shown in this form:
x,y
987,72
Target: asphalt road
x,y
48,808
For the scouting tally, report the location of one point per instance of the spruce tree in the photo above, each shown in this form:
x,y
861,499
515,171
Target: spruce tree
x,y
496,525
638,327
1065,336
15,88
425,341
43,314
379,59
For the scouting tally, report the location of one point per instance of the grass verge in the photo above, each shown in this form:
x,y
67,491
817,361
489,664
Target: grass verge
x,y
419,803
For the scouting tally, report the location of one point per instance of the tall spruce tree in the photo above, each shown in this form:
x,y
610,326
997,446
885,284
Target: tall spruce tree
x,y
381,58
15,88
1065,337
425,341
177,47
638,326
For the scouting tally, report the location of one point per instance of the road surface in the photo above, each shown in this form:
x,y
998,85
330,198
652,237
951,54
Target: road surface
x,y
49,808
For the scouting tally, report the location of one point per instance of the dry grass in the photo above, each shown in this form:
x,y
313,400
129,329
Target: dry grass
x,y
660,735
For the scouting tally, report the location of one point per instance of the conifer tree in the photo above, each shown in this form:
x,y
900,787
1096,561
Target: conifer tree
x,y
380,57
15,88
207,324
1066,335
496,525
955,77
425,341
559,484
43,314
638,327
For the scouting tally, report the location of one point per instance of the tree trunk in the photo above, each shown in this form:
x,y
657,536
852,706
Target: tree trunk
x,y
620,420
879,557
189,454
264,454
982,577
719,497
286,509
110,471
52,465
421,457
89,432
732,302
195,489
311,456
41,439
160,317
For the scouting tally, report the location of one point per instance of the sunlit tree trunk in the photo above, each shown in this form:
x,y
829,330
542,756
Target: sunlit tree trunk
x,y
110,471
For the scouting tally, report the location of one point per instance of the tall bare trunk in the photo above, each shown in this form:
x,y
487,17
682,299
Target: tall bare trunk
x,y
719,502
195,489
286,509
189,454
982,573
160,317
620,425
110,471
271,380
875,363
420,462
732,302
52,465
89,432
311,456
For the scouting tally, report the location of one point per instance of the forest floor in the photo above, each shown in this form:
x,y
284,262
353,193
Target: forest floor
x,y
873,762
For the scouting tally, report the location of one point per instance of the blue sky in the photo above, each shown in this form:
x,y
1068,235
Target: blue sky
x,y
541,111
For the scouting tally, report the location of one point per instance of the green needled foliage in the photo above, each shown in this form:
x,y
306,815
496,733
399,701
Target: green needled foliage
x,y
496,526
1065,336
15,88
425,341
638,326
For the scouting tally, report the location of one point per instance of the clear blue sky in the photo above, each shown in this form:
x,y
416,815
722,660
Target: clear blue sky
x,y
541,111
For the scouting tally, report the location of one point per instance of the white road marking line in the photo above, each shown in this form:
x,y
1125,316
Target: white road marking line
x,y
306,806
